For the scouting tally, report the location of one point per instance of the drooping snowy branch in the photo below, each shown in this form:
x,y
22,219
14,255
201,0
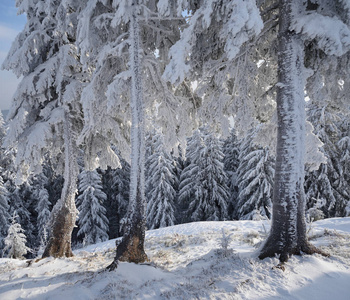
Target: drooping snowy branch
x,y
331,34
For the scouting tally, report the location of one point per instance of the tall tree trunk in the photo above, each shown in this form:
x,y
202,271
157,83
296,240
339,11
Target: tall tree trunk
x,y
131,248
288,231
64,213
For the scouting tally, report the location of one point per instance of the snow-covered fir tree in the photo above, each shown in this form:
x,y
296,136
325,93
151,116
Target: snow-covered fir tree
x,y
104,37
321,186
206,54
151,143
344,180
255,174
45,114
55,182
179,165
302,22
43,208
42,46
160,186
123,40
224,62
204,182
301,28
328,88
6,155
4,205
20,202
188,179
231,162
4,213
92,221
2,128
116,185
15,241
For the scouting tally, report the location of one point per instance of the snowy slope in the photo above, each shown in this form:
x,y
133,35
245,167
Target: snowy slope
x,y
187,262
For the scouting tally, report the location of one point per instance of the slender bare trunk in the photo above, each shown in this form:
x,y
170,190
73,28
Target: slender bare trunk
x,y
64,213
131,248
288,231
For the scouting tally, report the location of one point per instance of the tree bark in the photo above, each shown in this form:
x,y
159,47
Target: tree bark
x,y
288,231
131,248
63,215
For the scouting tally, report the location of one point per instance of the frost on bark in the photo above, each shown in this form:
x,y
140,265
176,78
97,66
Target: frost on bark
x,y
64,213
131,248
288,231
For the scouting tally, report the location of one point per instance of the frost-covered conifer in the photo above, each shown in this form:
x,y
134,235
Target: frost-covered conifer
x,y
45,115
4,205
116,185
209,54
4,214
231,162
151,144
92,221
6,154
54,182
19,203
321,186
43,206
104,38
2,127
160,186
179,166
300,23
344,180
125,43
255,181
321,25
214,195
15,241
231,152
188,178
203,181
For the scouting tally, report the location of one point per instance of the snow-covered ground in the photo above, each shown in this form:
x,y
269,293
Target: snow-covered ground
x,y
188,262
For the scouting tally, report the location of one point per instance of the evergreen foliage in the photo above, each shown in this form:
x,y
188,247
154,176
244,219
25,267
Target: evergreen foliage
x,y
54,184
43,207
344,181
45,55
188,178
179,165
2,129
20,204
15,241
97,73
203,182
255,181
160,186
322,186
231,162
4,214
92,221
116,185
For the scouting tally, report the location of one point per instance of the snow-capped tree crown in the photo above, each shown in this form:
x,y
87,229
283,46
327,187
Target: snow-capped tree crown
x,y
15,242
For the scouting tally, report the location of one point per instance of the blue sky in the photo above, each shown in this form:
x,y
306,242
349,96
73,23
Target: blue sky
x,y
10,26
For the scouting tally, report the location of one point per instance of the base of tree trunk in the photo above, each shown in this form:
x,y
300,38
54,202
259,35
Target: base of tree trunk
x,y
130,249
59,244
269,250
